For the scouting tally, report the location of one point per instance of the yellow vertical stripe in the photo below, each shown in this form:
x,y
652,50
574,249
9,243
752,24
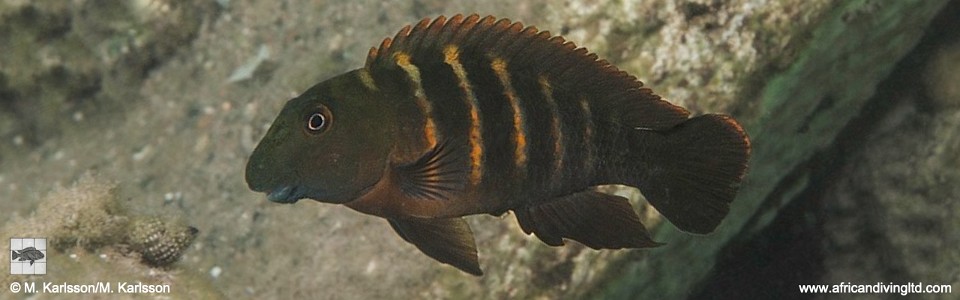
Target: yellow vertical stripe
x,y
451,56
588,134
499,67
366,79
556,132
413,73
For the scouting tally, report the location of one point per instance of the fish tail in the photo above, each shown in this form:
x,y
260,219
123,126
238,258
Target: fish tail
x,y
691,172
15,254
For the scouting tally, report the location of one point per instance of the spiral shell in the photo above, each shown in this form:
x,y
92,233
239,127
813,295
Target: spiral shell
x,y
160,242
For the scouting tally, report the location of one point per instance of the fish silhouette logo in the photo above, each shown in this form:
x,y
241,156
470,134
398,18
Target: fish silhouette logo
x,y
28,256
28,253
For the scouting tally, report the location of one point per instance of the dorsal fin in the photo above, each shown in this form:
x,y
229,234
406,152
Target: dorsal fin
x,y
530,52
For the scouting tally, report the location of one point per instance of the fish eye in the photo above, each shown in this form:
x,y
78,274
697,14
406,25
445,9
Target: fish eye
x,y
318,120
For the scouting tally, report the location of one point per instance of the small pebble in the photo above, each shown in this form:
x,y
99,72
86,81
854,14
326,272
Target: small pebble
x,y
142,153
247,70
172,196
215,271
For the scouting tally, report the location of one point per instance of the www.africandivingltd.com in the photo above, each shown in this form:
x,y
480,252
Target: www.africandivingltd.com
x,y
876,288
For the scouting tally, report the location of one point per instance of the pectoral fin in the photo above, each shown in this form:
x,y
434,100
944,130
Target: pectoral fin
x,y
595,219
449,241
437,173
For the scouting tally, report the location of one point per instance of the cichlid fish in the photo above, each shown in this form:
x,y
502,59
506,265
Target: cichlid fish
x,y
28,253
470,115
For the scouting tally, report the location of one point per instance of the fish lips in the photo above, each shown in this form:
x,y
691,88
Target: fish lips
x,y
288,194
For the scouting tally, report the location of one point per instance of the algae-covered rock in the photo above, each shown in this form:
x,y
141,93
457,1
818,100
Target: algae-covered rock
x,y
90,215
906,176
65,62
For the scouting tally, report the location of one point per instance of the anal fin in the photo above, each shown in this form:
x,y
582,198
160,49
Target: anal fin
x,y
449,241
597,220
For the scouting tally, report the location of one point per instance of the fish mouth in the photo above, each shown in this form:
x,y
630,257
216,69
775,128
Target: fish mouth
x,y
289,194
286,194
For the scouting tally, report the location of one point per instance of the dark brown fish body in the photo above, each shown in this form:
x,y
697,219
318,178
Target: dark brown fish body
x,y
468,116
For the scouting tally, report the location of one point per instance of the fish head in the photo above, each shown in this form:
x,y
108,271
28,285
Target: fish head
x,y
329,144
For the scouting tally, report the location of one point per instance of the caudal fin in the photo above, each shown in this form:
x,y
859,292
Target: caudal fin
x,y
14,254
691,173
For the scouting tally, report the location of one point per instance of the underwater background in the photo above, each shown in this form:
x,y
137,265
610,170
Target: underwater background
x,y
121,119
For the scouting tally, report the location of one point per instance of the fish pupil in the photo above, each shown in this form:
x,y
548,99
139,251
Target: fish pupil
x,y
316,122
